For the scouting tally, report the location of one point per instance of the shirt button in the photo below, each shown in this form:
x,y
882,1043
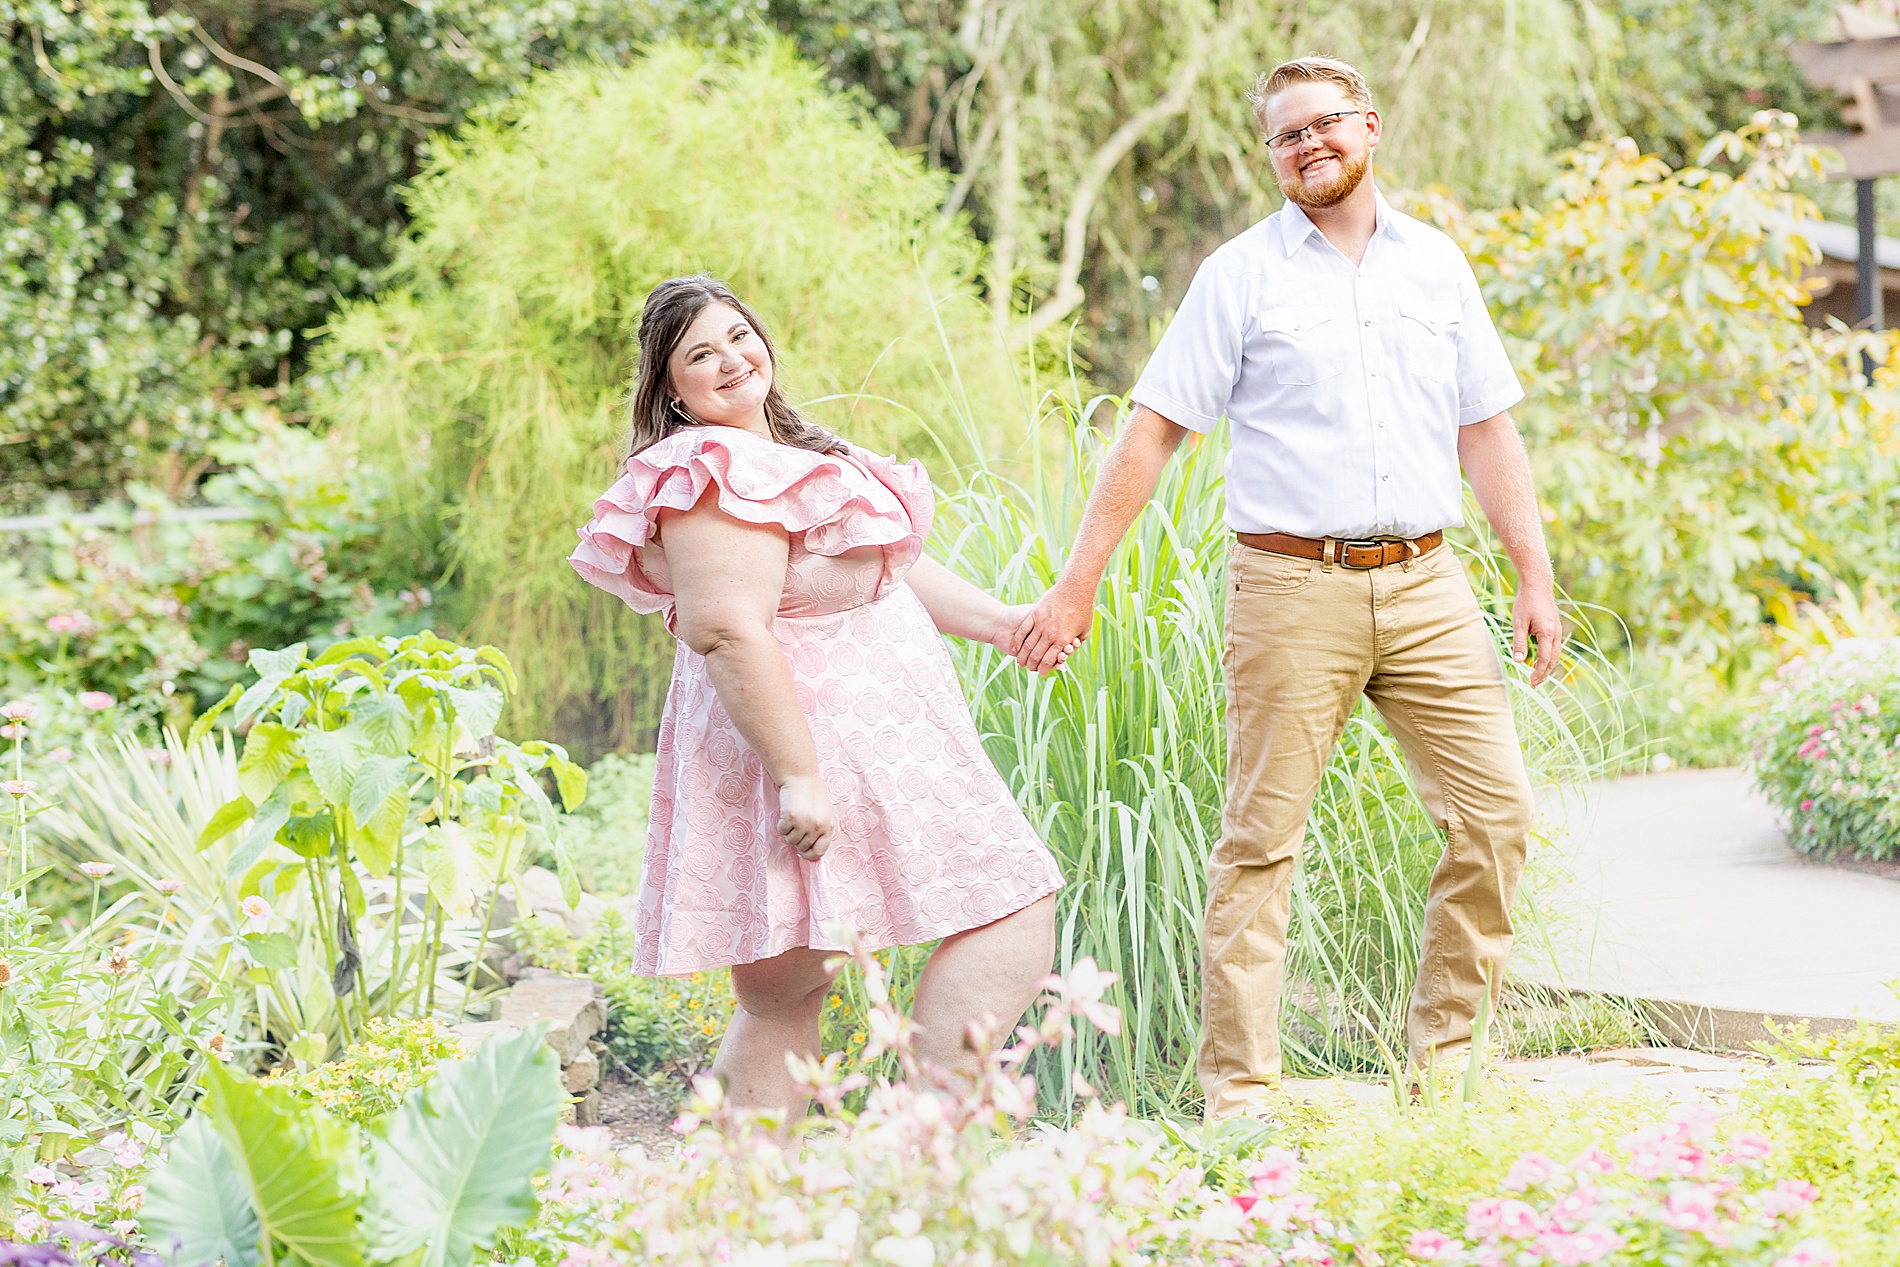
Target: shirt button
x,y
1368,320
1387,479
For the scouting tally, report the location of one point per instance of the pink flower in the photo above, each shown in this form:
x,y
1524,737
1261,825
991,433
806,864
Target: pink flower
x,y
1530,1171
42,1175
19,710
123,1228
158,756
76,623
128,1155
1501,1216
1081,990
1430,1246
1276,1173
1809,1254
168,887
96,701
1807,804
18,788
1691,1208
96,870
1575,1249
1751,1146
256,912
1576,1205
27,1226
1790,1196
1594,1161
62,754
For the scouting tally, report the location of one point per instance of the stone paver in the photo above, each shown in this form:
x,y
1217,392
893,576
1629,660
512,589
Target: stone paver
x,y
1677,888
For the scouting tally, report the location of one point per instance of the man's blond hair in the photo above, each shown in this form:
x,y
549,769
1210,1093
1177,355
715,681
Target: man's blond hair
x,y
1307,70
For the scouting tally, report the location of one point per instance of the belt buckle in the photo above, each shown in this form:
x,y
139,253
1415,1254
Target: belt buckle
x,y
1361,545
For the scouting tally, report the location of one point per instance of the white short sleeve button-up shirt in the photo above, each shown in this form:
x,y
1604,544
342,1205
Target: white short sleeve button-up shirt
x,y
1344,387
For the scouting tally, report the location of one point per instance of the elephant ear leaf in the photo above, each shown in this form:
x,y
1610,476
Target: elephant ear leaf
x,y
196,1207
297,1164
455,1164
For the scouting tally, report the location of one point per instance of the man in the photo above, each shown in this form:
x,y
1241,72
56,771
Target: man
x,y
1350,351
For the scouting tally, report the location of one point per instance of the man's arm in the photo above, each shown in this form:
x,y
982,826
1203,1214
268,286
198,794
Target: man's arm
x,y
1130,471
1494,460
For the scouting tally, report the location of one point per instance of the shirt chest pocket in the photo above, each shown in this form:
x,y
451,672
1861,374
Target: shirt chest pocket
x,y
1303,347
1429,333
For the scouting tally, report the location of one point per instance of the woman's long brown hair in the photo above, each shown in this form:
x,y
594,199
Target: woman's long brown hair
x,y
655,413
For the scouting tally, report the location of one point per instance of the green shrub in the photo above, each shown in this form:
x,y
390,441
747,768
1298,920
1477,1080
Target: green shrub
x,y
1701,453
376,1071
655,1025
162,616
1838,1129
1827,749
607,836
488,376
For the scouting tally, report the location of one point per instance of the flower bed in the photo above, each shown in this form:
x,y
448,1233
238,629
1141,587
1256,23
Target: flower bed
x,y
1827,749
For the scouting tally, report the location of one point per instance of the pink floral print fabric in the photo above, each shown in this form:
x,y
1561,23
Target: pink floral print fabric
x,y
929,841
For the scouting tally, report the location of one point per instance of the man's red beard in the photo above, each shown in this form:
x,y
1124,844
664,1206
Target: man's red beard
x,y
1328,191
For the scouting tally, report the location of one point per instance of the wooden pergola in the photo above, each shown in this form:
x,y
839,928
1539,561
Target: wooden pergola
x,y
1865,68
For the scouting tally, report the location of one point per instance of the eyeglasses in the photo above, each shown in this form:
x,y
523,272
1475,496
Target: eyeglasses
x,y
1318,129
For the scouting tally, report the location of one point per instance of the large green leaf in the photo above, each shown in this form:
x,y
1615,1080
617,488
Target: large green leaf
x,y
571,780
270,751
455,1163
197,1202
230,816
478,709
298,1164
212,714
271,815
453,860
282,662
333,758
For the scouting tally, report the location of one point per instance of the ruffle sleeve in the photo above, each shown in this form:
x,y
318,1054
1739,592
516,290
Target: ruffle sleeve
x,y
832,503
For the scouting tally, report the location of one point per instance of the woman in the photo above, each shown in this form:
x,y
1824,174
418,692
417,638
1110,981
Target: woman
x,y
817,761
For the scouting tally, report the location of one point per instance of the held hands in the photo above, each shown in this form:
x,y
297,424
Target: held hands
x,y
1534,618
1047,633
805,816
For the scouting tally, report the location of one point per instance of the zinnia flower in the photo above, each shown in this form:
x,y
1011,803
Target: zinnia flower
x,y
1809,1254
1430,1245
118,963
19,710
96,870
256,912
18,787
96,701
168,887
1276,1173
216,1046
6,974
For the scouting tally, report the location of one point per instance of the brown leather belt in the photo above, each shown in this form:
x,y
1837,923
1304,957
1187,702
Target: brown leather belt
x,y
1352,554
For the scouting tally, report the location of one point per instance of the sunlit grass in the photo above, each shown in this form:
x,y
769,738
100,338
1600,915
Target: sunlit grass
x,y
1119,761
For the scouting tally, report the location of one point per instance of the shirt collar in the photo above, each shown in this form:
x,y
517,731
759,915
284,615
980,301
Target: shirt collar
x,y
1295,227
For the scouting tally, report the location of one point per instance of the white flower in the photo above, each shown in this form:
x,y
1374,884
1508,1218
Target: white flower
x,y
256,912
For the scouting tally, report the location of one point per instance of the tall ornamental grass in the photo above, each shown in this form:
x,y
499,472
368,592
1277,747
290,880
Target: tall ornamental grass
x,y
1120,761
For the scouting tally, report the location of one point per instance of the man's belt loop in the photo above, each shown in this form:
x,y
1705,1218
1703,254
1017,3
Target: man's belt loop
x,y
1328,554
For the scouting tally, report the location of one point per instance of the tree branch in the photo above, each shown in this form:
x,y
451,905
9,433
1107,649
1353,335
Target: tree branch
x,y
1068,293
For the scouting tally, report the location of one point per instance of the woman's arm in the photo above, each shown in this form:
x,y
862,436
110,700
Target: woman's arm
x,y
727,580
961,610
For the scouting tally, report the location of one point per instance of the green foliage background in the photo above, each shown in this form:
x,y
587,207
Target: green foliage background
x,y
489,378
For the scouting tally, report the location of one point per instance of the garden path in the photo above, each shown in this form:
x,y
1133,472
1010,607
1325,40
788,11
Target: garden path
x,y
1679,889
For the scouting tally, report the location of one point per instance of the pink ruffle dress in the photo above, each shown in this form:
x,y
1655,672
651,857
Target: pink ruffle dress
x,y
929,840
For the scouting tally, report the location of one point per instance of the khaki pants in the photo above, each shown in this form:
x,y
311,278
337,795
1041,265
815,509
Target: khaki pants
x,y
1303,643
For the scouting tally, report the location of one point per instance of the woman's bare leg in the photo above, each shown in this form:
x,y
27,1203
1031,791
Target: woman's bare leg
x,y
780,1000
989,972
